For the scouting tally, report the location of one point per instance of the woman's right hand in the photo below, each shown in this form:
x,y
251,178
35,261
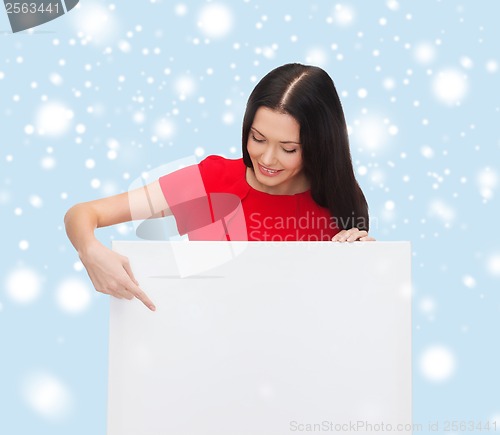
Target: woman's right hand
x,y
111,274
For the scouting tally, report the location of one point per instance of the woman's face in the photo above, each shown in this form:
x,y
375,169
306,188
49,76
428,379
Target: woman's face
x,y
276,153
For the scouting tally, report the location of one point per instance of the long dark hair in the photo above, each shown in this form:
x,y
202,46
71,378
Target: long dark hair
x,y
308,94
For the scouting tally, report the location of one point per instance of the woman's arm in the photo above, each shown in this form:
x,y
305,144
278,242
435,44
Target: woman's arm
x,y
109,271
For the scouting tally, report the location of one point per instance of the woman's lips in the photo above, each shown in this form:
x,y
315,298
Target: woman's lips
x,y
269,172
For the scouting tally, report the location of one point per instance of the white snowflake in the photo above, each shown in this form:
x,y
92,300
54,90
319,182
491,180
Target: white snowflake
x,y
94,23
53,119
450,86
370,133
73,296
469,281
185,87
23,285
441,210
181,9
487,180
427,305
437,363
424,53
164,128
215,20
47,396
316,56
343,15
493,265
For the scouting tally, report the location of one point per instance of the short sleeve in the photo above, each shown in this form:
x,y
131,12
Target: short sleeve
x,y
202,207
187,199
221,175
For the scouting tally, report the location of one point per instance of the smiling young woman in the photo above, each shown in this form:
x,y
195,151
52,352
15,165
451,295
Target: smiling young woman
x,y
307,95
295,181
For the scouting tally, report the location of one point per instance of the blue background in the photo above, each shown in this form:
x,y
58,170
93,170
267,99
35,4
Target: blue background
x,y
425,145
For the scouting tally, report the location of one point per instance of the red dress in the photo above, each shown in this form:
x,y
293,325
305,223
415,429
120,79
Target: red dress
x,y
213,201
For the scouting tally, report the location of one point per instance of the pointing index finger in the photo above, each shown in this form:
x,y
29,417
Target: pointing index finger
x,y
143,297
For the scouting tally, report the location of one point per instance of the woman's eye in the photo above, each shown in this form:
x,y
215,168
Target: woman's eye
x,y
258,140
289,151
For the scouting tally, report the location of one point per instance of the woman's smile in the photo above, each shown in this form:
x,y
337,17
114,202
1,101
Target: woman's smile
x,y
268,172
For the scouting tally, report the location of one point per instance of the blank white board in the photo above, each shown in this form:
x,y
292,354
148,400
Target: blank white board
x,y
262,338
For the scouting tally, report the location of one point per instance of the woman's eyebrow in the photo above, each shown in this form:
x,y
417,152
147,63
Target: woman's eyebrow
x,y
282,141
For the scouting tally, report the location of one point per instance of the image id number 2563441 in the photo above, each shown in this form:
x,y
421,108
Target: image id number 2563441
x,y
32,8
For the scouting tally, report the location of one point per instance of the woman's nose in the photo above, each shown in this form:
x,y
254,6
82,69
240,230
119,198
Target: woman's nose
x,y
268,156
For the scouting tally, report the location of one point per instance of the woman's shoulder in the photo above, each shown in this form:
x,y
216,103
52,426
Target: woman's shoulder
x,y
221,167
219,172
215,162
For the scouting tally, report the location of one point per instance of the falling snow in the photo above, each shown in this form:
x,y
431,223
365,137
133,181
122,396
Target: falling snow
x,y
493,265
215,20
424,53
469,281
23,285
343,15
73,296
450,86
111,91
427,305
47,396
437,364
53,119
487,180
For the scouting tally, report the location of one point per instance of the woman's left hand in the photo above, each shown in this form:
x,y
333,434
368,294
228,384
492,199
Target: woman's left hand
x,y
351,235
